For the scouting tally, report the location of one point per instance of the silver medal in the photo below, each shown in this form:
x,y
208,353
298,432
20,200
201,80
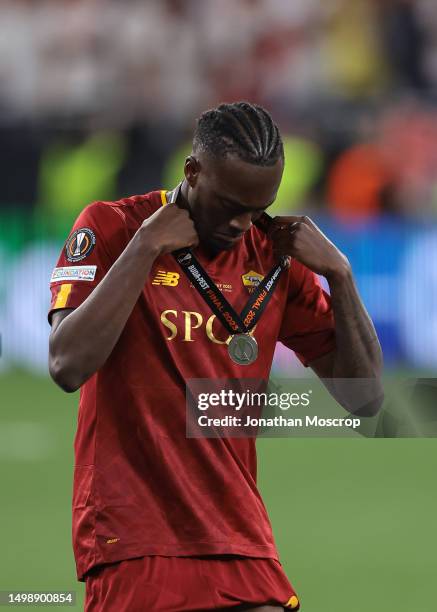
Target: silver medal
x,y
243,349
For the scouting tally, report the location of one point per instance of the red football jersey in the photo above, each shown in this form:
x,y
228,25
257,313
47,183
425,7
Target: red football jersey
x,y
140,486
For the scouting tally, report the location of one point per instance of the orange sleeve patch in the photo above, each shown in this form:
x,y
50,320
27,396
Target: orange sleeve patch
x,y
63,295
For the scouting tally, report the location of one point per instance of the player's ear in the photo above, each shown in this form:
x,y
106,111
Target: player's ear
x,y
191,170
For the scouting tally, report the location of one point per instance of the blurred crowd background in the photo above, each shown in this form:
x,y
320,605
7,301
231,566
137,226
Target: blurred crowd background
x,y
98,100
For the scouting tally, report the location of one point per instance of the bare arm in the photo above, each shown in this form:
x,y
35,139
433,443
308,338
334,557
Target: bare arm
x,y
82,339
358,353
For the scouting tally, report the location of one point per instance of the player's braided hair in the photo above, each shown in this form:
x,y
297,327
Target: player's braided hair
x,y
244,129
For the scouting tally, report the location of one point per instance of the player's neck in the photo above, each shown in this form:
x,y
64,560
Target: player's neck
x,y
204,249
183,195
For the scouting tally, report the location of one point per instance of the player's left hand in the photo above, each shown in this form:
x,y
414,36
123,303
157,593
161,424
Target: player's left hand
x,y
299,237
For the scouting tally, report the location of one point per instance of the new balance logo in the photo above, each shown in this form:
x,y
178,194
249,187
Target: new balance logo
x,y
168,279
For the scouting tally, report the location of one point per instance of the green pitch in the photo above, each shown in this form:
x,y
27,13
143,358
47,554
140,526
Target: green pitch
x,y
354,519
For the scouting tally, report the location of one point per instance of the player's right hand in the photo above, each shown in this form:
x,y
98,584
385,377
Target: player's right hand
x,y
170,228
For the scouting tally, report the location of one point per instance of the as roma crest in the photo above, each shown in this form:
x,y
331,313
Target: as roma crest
x,y
251,280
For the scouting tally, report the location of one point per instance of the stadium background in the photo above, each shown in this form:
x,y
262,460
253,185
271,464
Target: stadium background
x,y
98,100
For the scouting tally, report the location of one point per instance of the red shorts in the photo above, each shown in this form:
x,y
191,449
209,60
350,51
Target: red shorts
x,y
179,584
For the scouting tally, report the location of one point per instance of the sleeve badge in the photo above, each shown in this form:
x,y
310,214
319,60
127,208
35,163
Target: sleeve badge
x,y
80,244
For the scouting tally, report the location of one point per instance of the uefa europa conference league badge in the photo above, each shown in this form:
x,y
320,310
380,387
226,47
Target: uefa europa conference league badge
x,y
243,348
80,244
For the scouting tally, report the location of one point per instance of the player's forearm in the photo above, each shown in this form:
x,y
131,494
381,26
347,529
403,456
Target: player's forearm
x,y
358,353
83,341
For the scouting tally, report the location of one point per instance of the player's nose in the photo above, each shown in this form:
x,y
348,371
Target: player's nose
x,y
242,223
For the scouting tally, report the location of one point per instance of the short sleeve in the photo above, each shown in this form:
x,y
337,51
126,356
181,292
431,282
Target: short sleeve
x,y
89,252
308,321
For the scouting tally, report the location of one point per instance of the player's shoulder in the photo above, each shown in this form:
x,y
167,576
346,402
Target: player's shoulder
x,y
132,208
150,202
114,223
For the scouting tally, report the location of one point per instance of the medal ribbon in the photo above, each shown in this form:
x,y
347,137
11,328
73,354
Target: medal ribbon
x,y
235,323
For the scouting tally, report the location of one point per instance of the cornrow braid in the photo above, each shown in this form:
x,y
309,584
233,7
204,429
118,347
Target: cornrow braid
x,y
243,129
